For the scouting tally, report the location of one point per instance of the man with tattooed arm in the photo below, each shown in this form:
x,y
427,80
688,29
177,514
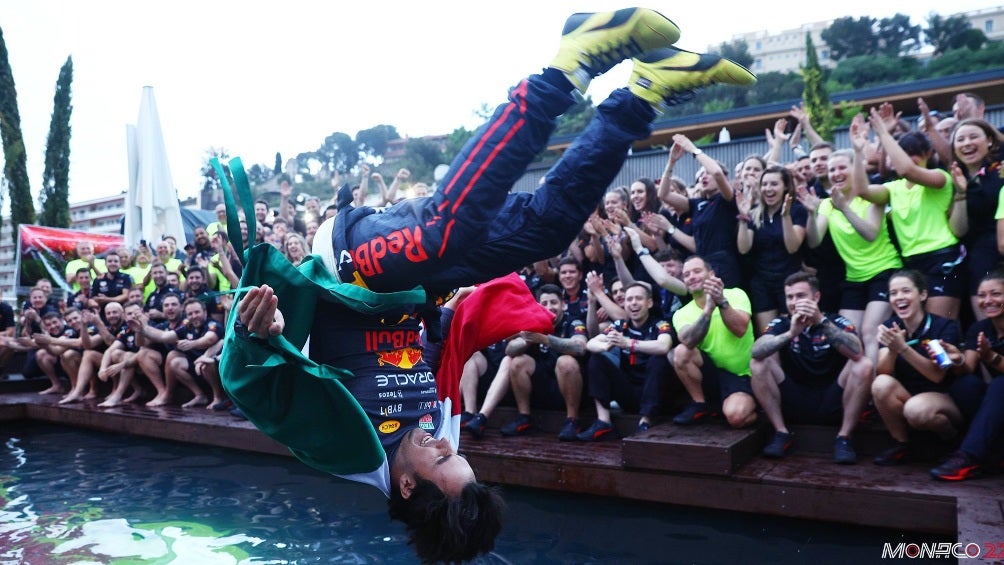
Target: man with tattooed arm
x,y
810,367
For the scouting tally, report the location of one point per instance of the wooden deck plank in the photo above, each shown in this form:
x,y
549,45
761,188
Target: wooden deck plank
x,y
711,449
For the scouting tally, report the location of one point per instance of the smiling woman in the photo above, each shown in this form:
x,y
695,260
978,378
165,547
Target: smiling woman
x,y
912,390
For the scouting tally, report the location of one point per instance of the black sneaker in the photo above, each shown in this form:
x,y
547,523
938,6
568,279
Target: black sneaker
x,y
695,411
520,426
465,417
570,431
843,451
596,432
643,427
779,445
476,426
893,456
959,465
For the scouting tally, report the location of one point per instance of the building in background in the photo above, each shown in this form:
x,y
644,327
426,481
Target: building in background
x,y
784,51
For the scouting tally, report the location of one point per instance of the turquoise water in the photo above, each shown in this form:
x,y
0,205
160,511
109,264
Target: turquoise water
x,y
75,496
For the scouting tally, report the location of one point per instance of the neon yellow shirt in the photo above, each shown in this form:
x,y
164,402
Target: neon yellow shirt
x,y
725,349
920,216
138,274
96,271
864,259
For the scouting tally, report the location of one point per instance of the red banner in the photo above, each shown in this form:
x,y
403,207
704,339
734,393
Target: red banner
x,y
44,252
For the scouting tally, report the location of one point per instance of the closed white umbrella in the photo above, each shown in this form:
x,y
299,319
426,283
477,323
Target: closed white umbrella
x,y
152,208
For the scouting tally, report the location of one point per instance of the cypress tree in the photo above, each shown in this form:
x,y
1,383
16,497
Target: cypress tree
x,y
817,99
55,196
22,210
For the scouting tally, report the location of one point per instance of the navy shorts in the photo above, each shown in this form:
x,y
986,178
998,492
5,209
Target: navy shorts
x,y
857,295
942,269
546,394
804,404
719,384
767,292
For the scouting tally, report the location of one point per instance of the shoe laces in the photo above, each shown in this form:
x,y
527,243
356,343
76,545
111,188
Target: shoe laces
x,y
602,60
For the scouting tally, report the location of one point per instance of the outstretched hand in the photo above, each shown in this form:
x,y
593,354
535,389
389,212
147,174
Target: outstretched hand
x,y
259,311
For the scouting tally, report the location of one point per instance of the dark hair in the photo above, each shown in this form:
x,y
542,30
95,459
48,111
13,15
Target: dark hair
x,y
916,277
50,315
570,261
167,295
995,275
260,201
133,303
84,270
194,301
667,254
915,144
444,529
802,276
548,288
702,259
641,284
822,145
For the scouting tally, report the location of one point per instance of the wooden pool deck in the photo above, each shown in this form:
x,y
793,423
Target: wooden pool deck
x,y
707,465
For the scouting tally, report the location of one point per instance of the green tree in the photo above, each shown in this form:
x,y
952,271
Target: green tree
x,y
953,32
896,36
373,141
210,180
259,173
989,57
277,168
339,152
15,171
774,86
55,195
849,37
737,50
817,100
866,71
575,118
421,158
455,142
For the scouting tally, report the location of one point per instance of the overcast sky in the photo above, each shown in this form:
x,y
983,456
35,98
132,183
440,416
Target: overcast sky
x,y
260,77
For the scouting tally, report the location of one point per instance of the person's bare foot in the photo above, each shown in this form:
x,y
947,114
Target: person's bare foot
x,y
159,400
90,396
111,402
197,401
70,399
217,405
54,389
134,397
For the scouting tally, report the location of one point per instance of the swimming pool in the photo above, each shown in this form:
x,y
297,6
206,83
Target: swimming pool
x,y
75,496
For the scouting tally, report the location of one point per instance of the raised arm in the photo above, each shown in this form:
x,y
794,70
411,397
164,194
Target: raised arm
x,y
654,269
903,163
667,196
793,234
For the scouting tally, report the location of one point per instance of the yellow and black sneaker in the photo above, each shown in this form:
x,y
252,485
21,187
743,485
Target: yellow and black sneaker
x,y
592,43
668,76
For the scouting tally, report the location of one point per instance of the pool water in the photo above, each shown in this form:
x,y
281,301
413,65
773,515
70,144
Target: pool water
x,y
77,496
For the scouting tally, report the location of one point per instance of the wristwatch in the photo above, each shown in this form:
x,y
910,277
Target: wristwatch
x,y
723,305
671,230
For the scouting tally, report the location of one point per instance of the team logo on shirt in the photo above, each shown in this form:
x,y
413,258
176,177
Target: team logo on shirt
x,y
425,422
404,358
389,427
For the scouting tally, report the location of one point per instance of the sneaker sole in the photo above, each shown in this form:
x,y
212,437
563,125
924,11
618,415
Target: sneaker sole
x,y
960,475
519,431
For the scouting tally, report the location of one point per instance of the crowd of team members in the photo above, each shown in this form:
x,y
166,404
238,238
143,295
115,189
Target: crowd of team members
x,y
130,326
800,292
